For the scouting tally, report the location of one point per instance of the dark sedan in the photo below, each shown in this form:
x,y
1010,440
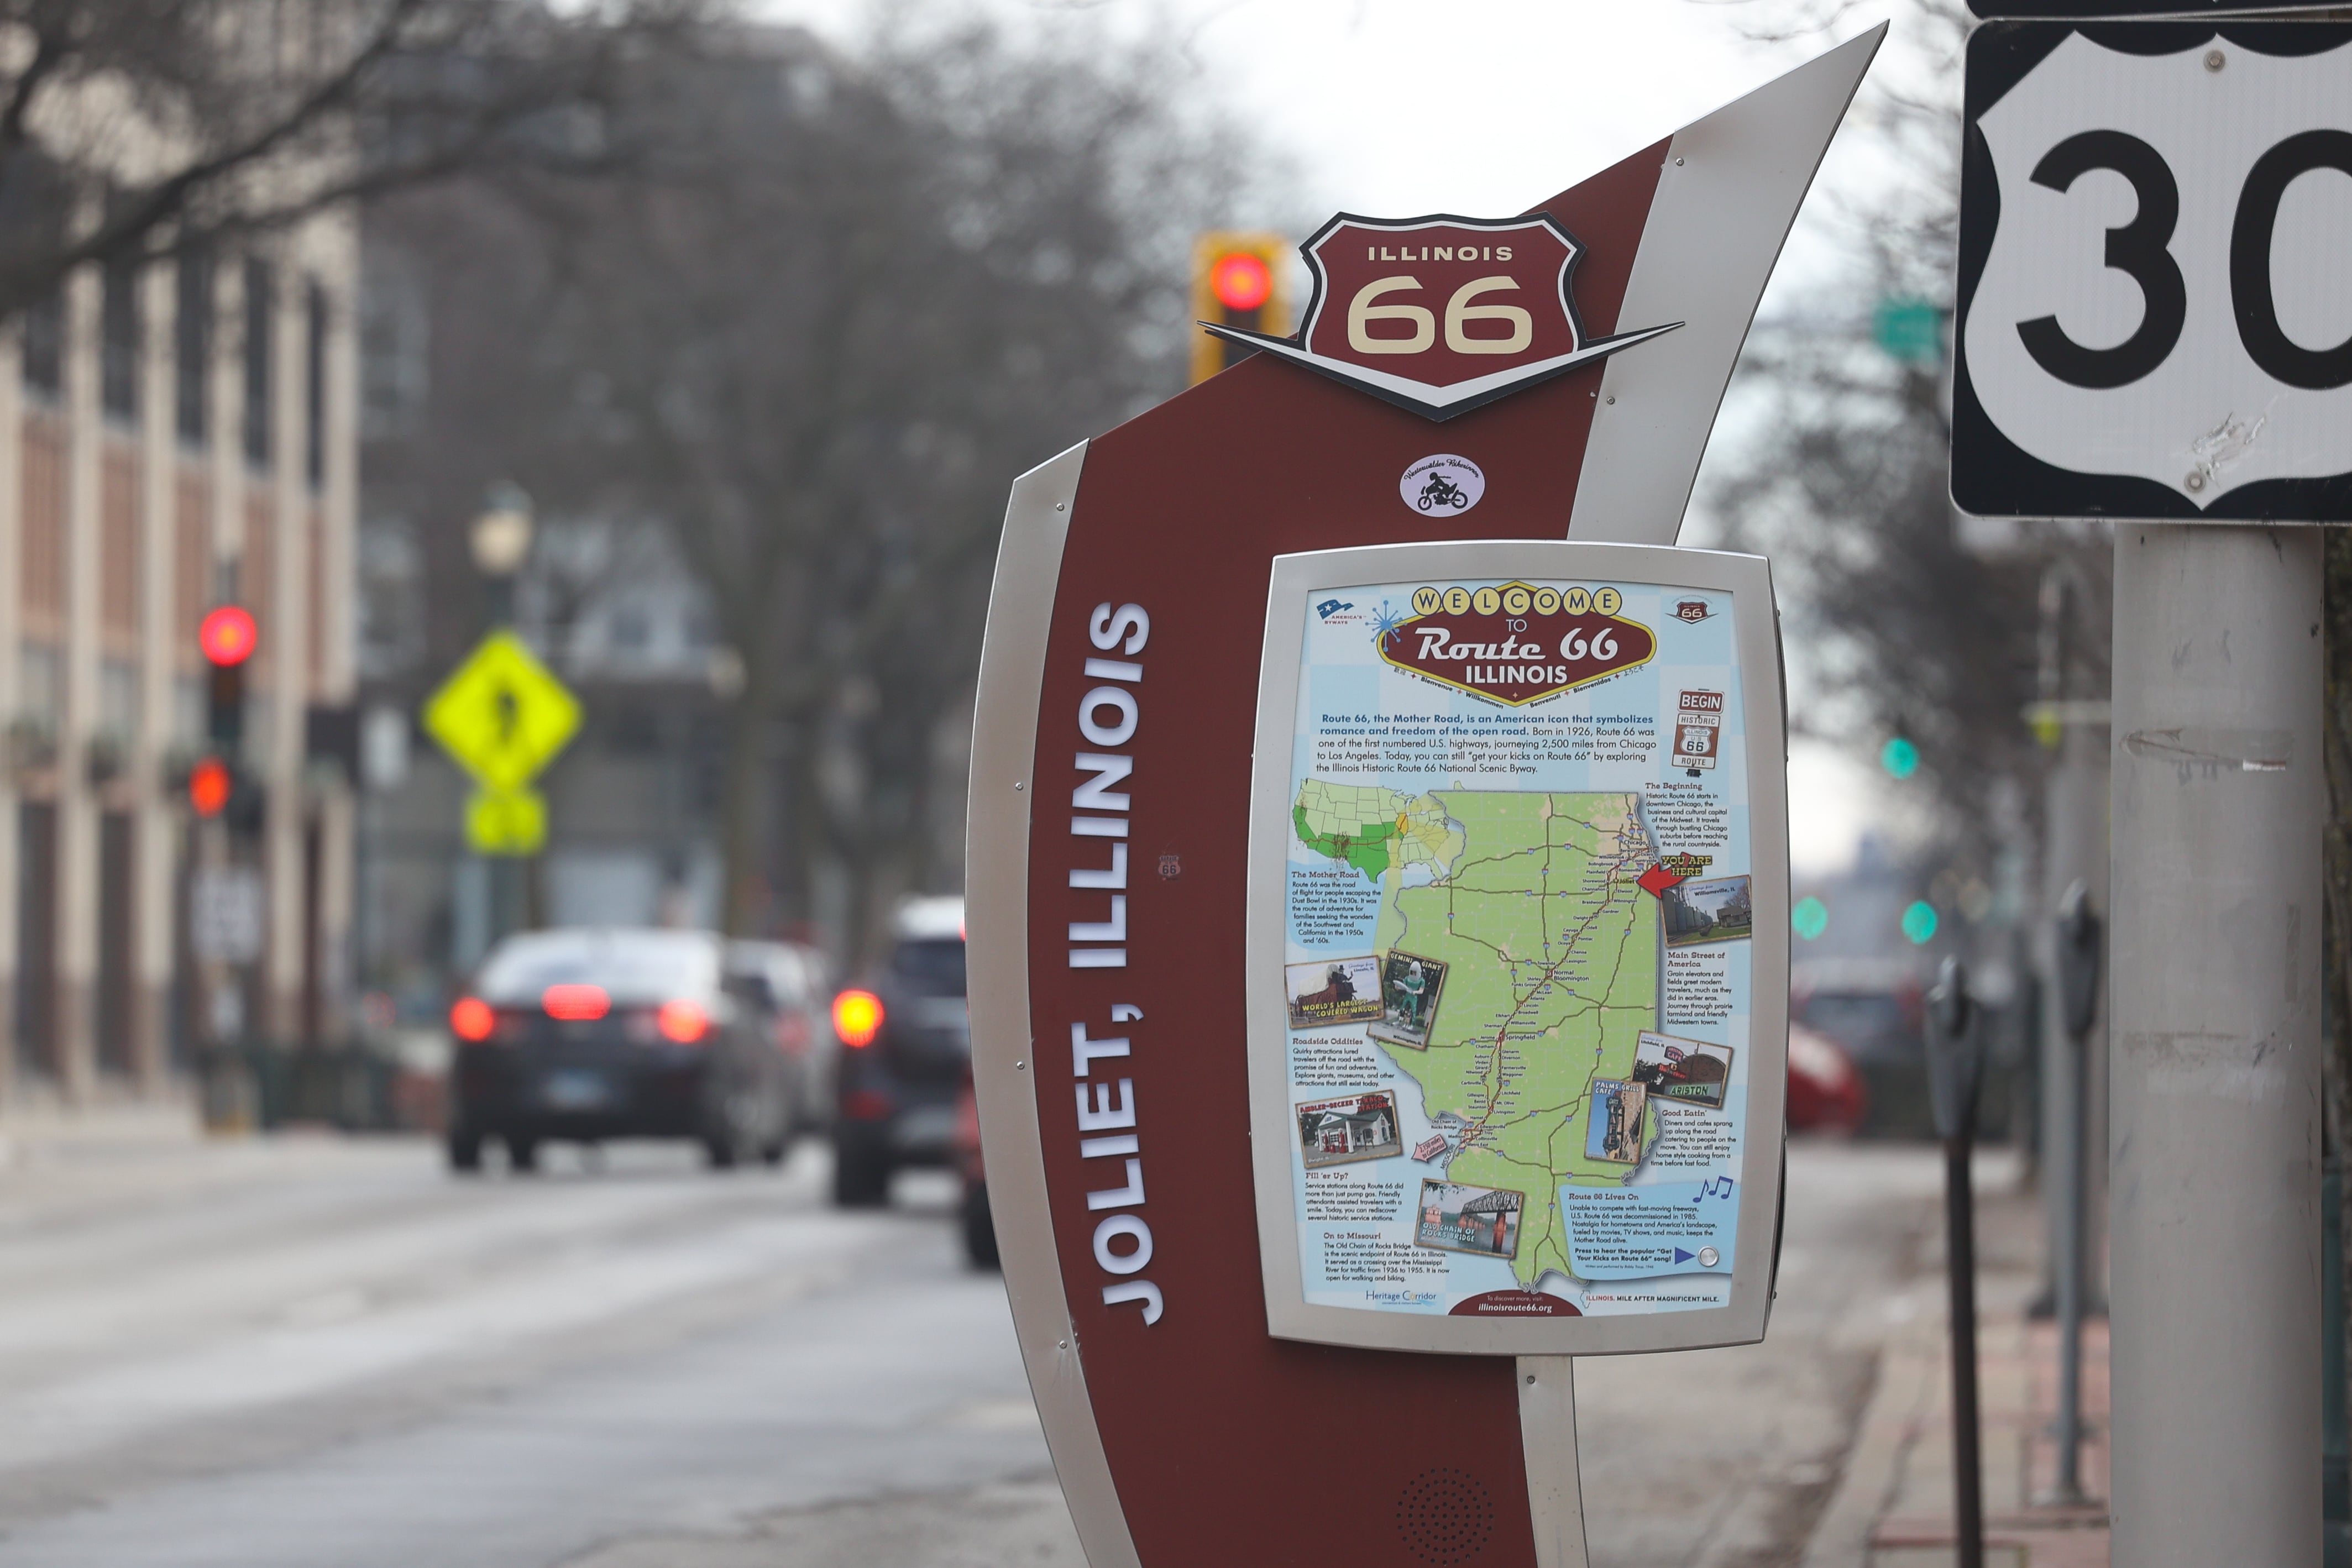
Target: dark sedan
x,y
594,1034
906,1056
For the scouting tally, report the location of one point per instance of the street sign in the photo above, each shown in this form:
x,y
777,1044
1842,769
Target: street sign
x,y
2094,10
1117,973
506,821
1501,287
2154,321
501,714
225,913
1517,976
2153,327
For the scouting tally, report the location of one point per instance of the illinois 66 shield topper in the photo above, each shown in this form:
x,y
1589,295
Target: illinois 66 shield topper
x,y
1441,315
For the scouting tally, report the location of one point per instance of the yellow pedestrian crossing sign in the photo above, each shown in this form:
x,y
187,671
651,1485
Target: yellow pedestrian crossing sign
x,y
502,716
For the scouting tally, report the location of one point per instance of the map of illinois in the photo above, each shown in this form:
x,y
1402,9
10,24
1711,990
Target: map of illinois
x,y
1552,949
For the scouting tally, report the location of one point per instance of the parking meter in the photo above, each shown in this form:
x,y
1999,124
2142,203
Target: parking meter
x,y
2082,937
1955,1055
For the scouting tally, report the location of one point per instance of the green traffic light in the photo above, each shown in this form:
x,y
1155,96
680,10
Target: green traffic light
x,y
1899,757
1810,918
1919,921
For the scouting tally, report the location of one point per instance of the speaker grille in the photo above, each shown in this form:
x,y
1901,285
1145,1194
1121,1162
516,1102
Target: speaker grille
x,y
1445,1516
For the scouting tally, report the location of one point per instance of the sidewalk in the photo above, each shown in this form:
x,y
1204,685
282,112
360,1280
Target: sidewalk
x,y
1893,1506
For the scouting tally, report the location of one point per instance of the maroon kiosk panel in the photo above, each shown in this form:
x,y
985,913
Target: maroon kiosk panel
x,y
1229,1445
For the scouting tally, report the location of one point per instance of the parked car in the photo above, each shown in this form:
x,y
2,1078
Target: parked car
x,y
973,1218
584,1035
906,1054
791,984
1874,1012
1826,1094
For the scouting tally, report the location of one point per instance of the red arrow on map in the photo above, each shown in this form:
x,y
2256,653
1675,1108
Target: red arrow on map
x,y
1657,879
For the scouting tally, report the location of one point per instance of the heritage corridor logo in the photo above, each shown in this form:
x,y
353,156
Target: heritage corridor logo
x,y
1516,644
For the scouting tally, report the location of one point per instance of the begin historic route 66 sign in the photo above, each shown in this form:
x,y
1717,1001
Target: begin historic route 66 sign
x,y
2155,311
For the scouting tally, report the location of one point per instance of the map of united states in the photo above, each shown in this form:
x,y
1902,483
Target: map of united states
x,y
1378,831
1551,949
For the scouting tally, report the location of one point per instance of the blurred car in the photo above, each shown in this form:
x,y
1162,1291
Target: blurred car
x,y
1825,1094
583,1035
973,1218
1874,1011
791,984
906,1056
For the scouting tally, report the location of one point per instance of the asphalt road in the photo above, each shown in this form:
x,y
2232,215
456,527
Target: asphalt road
x,y
315,1352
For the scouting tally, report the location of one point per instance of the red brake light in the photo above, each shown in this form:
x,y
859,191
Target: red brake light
x,y
575,1002
471,1019
682,1023
867,1105
857,1017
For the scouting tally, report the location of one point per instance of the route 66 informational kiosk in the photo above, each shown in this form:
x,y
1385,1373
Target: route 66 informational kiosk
x,y
1376,886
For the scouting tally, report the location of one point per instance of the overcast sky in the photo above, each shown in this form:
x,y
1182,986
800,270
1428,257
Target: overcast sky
x,y
1484,107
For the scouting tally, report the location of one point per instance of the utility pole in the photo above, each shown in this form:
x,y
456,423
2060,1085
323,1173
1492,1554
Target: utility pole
x,y
2214,1292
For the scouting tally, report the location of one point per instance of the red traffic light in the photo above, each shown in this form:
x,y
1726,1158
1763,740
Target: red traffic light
x,y
1241,281
209,786
227,635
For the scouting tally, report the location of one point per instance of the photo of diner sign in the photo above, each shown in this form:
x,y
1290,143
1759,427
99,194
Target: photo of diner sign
x,y
1512,997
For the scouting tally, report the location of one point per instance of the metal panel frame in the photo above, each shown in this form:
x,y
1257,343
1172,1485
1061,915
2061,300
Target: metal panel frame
x,y
1747,578
1725,201
996,903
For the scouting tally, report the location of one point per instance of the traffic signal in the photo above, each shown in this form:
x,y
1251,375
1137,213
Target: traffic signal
x,y
210,785
1238,280
1810,918
227,636
217,788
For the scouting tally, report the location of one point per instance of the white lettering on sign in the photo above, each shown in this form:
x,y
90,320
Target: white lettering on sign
x,y
1125,630
2165,296
1106,1108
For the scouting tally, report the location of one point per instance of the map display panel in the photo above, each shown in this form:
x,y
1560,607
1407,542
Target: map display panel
x,y
1517,928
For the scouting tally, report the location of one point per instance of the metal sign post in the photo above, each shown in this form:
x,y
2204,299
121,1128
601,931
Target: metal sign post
x,y
2079,934
2148,333
1455,381
1955,1073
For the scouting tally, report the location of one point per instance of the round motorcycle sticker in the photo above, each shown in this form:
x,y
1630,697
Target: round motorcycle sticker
x,y
1442,483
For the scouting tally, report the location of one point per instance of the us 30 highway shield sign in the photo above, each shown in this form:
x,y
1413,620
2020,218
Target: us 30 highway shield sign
x,y
2155,313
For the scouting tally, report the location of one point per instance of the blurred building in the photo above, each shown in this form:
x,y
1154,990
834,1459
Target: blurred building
x,y
171,439
457,281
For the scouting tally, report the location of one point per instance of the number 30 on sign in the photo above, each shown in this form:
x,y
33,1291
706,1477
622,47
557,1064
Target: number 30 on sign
x,y
2155,314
